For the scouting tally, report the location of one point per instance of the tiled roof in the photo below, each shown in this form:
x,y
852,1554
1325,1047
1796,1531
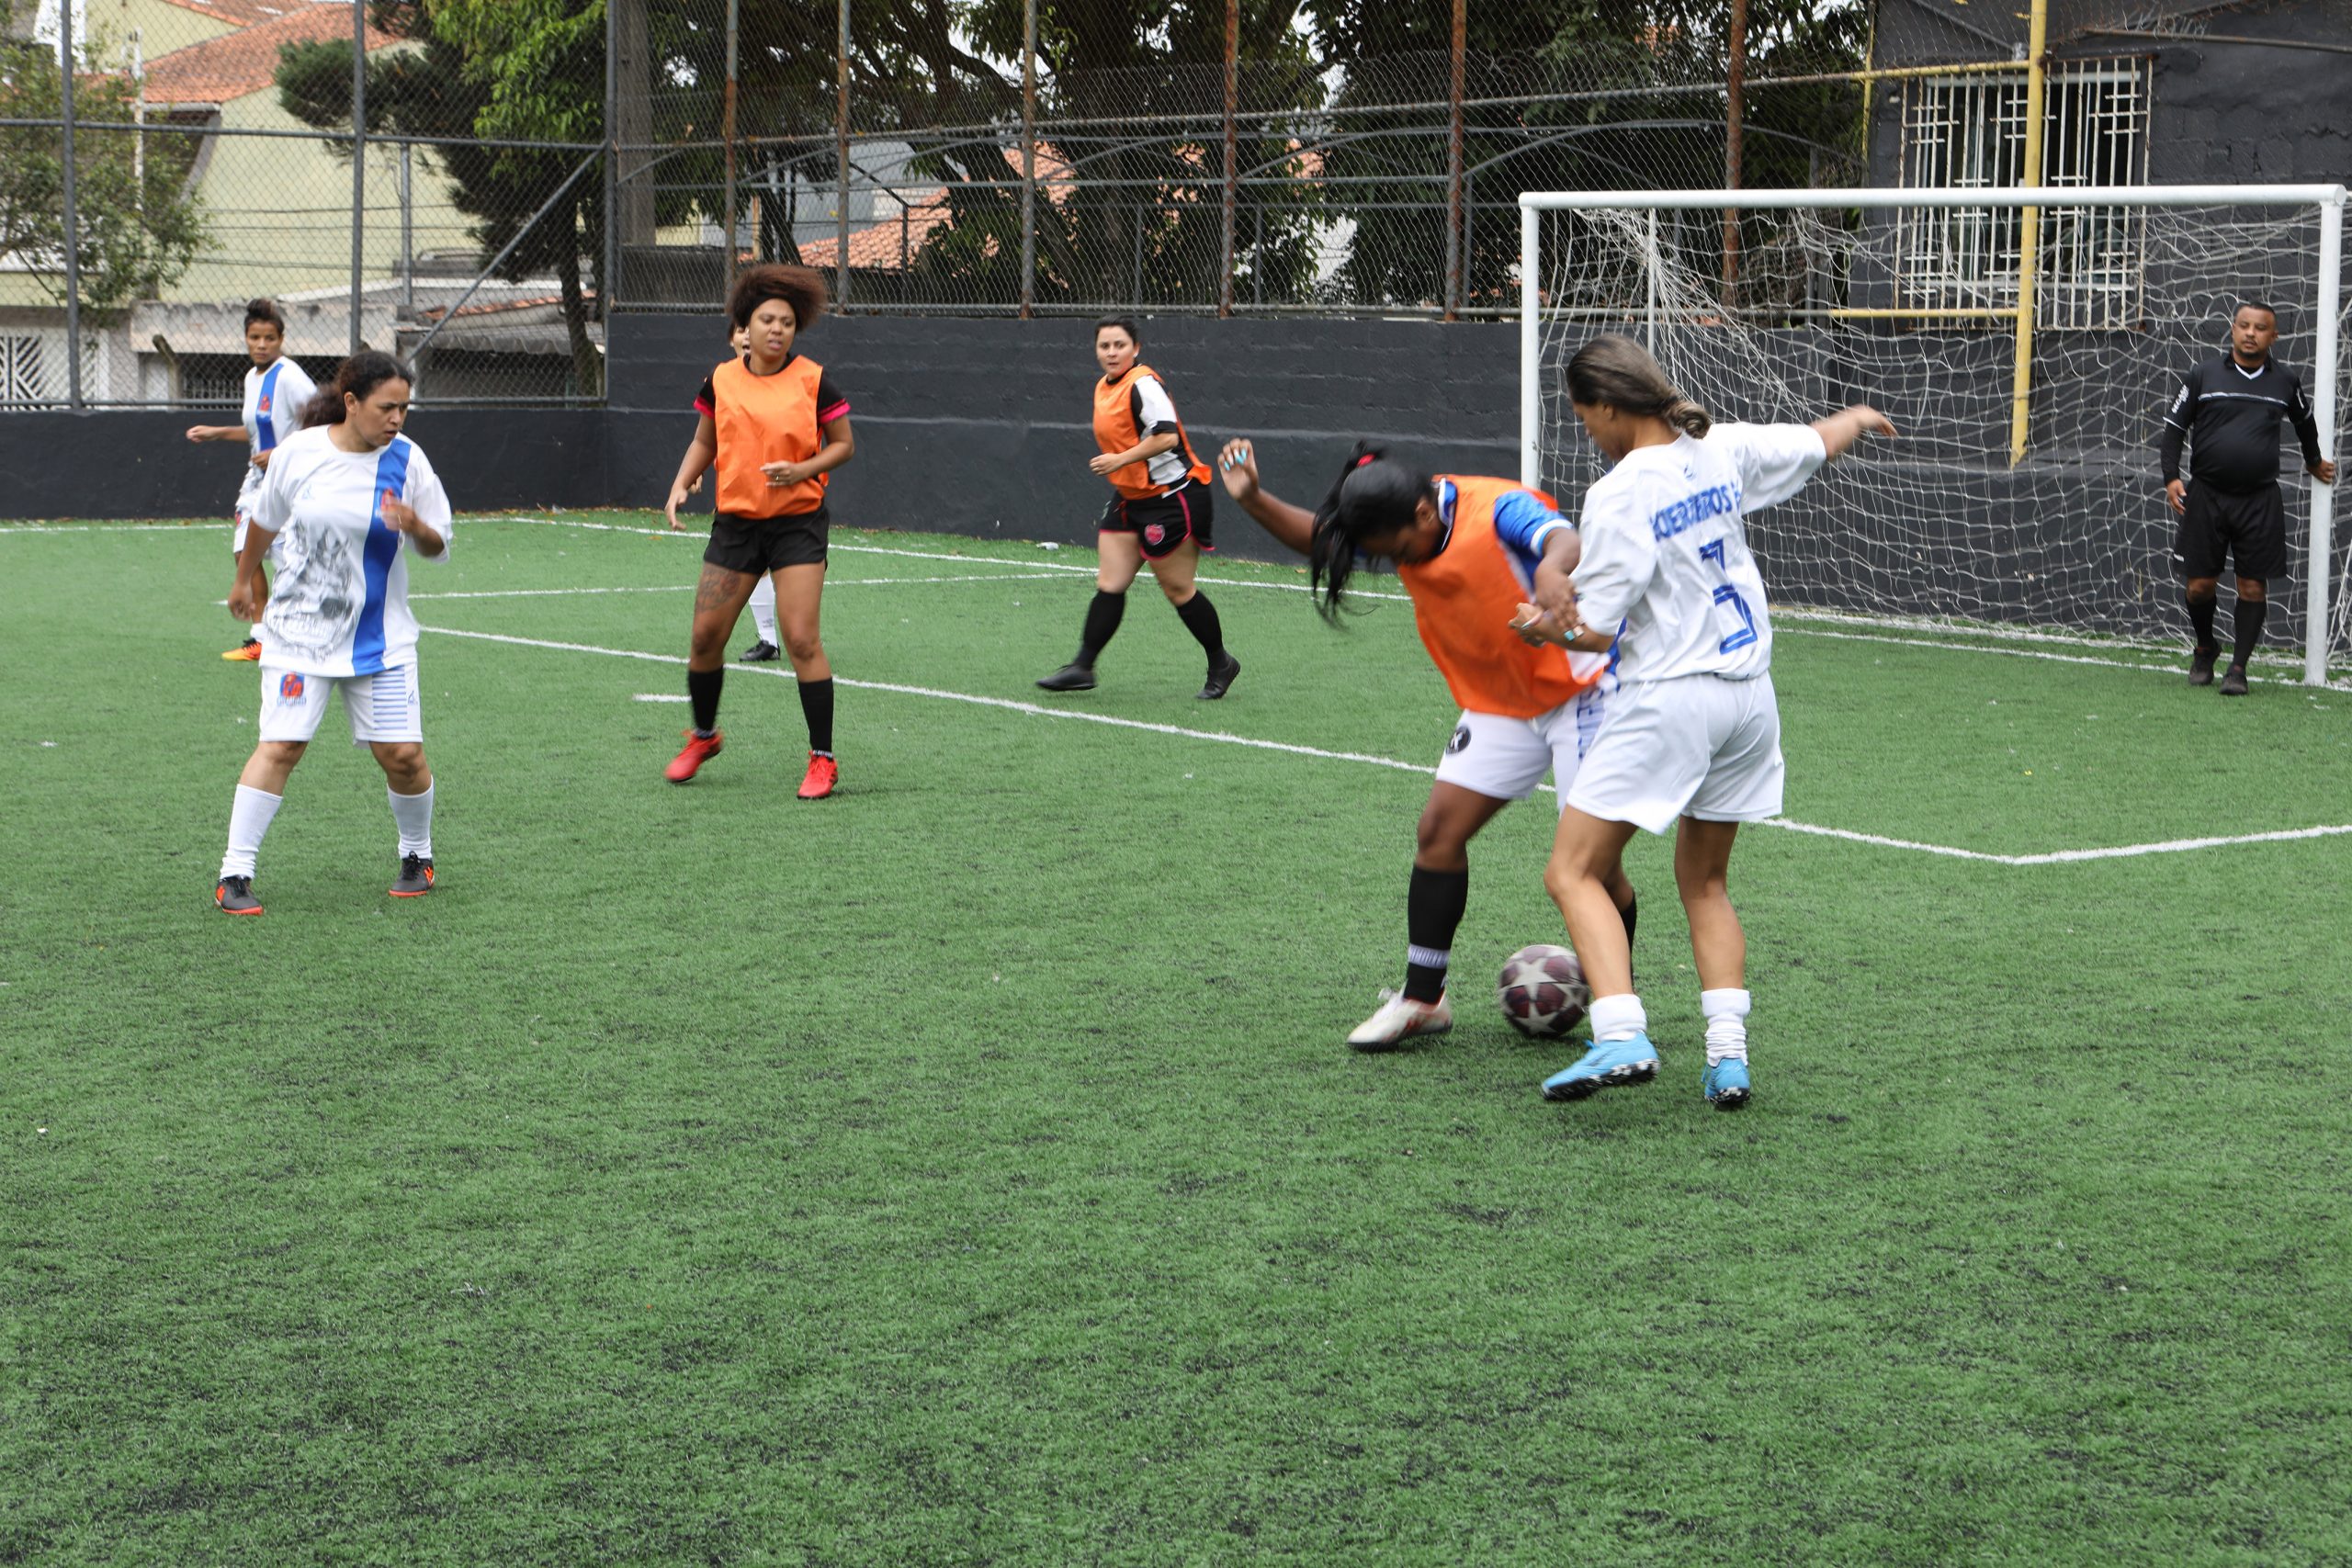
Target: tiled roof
x,y
239,13
219,69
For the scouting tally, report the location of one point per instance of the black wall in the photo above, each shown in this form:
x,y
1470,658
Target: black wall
x,y
977,427
982,427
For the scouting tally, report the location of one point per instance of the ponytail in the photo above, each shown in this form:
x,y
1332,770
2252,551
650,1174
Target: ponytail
x,y
1619,373
358,376
1371,497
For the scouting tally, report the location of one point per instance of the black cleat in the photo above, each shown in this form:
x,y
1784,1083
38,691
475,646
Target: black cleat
x,y
2200,666
1070,678
2233,681
415,879
761,652
1220,679
234,896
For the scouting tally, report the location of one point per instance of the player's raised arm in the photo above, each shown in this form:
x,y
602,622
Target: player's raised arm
x,y
1841,430
1237,466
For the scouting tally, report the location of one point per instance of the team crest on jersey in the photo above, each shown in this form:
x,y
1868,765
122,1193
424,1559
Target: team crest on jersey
x,y
1460,742
1153,533
263,406
289,687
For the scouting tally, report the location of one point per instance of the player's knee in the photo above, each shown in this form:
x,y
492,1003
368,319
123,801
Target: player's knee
x,y
2252,590
1561,876
401,757
284,754
802,647
1439,843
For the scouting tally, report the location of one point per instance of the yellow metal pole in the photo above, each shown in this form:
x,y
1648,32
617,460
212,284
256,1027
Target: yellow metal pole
x,y
2028,233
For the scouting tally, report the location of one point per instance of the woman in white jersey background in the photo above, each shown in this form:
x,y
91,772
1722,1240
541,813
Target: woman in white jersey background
x,y
1695,731
347,502
276,392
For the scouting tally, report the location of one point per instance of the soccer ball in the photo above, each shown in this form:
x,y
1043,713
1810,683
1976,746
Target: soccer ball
x,y
1543,991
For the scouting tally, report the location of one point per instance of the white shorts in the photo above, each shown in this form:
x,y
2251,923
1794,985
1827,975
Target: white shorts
x,y
237,539
1696,745
381,708
1505,759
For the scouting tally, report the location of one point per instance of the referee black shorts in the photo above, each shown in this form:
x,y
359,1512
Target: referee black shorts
x,y
1163,523
761,544
2220,524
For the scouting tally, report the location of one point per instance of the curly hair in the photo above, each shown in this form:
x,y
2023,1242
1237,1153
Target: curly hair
x,y
801,288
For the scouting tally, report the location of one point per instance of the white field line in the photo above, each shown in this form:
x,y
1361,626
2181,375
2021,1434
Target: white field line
x,y
2122,664
688,586
2172,846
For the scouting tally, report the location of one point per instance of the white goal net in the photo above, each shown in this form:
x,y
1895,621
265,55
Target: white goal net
x,y
2027,504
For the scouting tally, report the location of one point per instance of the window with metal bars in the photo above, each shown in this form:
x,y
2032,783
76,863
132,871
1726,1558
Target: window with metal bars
x,y
1965,134
21,381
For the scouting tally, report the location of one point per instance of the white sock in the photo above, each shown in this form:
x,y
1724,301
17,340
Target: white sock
x,y
413,812
248,820
1618,1018
763,611
1726,1015
256,631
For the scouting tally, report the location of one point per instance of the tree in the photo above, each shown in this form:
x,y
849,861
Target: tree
x,y
139,223
489,69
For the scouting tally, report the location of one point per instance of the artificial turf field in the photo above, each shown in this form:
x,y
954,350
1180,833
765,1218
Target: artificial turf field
x,y
967,1169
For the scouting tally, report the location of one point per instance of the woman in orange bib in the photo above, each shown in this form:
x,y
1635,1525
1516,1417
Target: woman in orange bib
x,y
777,427
1468,550
1160,511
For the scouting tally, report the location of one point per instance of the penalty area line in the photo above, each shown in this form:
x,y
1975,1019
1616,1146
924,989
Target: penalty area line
x,y
1010,705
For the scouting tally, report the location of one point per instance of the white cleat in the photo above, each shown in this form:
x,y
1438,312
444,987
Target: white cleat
x,y
1400,1019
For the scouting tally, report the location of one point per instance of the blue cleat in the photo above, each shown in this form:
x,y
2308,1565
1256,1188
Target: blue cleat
x,y
1726,1084
1610,1066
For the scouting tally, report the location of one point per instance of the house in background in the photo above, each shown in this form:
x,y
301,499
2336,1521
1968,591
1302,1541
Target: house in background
x,y
276,196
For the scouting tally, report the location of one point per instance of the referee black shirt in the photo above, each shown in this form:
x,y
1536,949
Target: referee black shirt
x,y
2229,416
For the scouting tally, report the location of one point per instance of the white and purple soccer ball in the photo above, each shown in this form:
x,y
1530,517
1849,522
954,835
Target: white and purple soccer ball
x,y
1543,991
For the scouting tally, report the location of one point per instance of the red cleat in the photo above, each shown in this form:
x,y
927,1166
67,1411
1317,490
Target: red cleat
x,y
698,750
823,774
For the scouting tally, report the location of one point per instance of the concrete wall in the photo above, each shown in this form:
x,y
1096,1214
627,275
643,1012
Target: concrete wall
x,y
983,427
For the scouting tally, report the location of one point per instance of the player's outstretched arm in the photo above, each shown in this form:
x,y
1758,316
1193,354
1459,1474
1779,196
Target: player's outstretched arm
x,y
1237,466
1841,430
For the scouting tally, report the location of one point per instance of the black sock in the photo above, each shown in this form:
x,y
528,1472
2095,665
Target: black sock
x,y
1102,625
1200,618
1434,901
2200,619
702,691
2250,616
817,707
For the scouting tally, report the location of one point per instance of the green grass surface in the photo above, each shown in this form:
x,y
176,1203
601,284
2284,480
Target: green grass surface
x,y
966,1169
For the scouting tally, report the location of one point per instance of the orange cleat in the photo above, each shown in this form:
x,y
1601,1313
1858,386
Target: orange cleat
x,y
235,895
244,652
823,774
415,878
698,750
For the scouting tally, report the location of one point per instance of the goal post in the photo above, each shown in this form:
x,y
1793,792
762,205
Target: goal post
x,y
1911,299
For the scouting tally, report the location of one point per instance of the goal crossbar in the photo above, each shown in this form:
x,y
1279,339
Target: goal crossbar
x,y
2325,201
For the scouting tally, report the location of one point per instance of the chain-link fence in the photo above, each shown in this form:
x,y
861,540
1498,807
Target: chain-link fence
x,y
499,178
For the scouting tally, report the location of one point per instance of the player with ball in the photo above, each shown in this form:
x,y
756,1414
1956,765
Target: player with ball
x,y
1467,549
1666,578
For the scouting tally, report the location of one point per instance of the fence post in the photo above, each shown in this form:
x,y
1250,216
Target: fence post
x,y
358,155
1735,106
726,143
408,230
840,150
1232,154
72,228
1028,159
610,283
1457,50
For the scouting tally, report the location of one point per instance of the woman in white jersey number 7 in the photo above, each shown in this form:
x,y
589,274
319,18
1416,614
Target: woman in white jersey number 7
x,y
1694,732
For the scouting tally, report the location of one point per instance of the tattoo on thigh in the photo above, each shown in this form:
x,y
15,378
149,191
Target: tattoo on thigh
x,y
720,588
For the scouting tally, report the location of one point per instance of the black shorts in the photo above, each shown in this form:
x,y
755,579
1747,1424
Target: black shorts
x,y
761,544
1164,521
2250,529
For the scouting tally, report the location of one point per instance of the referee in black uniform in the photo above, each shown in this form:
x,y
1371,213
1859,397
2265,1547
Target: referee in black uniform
x,y
2228,409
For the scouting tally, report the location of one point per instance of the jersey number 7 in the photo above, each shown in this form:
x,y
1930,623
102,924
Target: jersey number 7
x,y
1727,594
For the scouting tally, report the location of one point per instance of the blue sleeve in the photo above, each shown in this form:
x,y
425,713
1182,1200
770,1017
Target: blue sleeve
x,y
1521,520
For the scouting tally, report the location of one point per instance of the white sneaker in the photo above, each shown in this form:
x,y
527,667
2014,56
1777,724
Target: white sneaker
x,y
1399,1019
